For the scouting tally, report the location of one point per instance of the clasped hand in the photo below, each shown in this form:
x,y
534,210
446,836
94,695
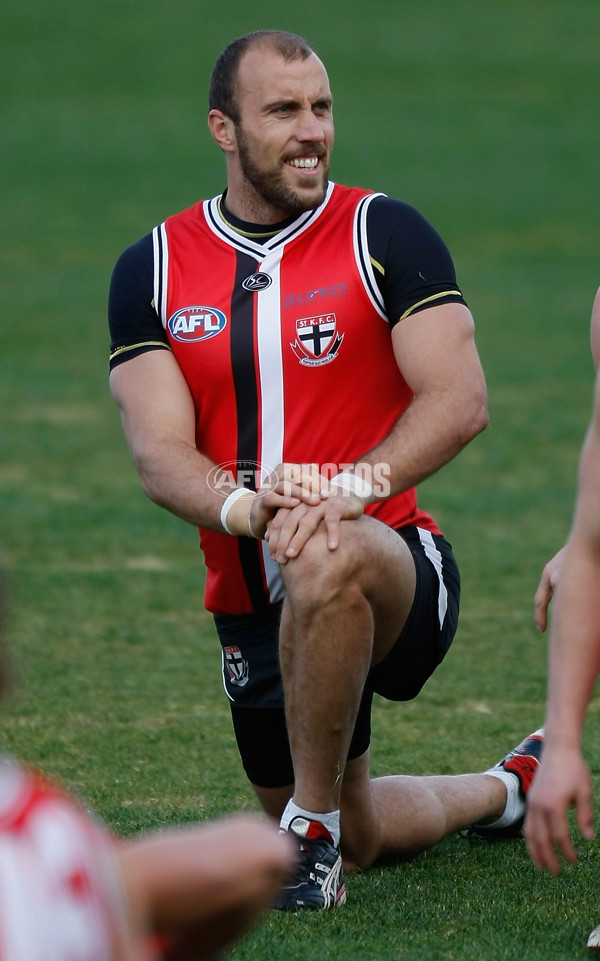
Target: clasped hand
x,y
292,503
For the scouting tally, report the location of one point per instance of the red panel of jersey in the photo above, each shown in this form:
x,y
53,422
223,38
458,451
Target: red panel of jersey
x,y
287,351
59,893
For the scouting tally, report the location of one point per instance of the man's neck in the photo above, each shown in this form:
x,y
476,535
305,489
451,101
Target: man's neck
x,y
251,228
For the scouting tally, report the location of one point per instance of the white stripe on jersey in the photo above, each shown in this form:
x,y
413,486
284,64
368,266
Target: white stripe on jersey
x,y
362,257
433,554
270,368
161,269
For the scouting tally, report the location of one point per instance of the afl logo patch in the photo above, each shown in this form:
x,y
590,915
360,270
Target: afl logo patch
x,y
192,324
258,281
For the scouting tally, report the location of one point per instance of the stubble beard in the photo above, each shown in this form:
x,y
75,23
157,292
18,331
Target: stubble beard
x,y
270,185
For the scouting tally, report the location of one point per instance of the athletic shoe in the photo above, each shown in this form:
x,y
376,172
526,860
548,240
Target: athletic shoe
x,y
594,939
523,761
319,878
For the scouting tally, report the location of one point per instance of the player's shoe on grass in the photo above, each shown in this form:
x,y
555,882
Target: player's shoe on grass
x,y
522,763
318,881
594,939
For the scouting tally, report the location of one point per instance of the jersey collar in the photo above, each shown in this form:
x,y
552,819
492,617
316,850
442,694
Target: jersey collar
x,y
258,239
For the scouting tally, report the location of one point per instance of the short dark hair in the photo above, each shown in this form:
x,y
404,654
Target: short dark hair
x,y
222,89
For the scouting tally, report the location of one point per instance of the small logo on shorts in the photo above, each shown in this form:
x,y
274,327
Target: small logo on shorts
x,y
237,666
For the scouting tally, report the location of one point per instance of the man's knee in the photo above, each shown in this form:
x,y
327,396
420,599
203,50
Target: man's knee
x,y
318,574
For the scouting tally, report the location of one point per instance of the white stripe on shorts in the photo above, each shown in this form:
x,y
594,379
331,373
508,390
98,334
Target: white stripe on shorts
x,y
433,554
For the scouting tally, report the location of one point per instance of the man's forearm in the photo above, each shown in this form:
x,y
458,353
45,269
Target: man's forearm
x,y
175,476
432,431
574,653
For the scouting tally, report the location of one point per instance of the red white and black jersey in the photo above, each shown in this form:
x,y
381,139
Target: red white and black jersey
x,y
60,898
283,336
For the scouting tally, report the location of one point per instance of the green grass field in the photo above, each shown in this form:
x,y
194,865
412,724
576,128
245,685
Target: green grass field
x,y
485,117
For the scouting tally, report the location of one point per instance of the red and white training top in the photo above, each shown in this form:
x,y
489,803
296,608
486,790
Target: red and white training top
x,y
284,339
60,898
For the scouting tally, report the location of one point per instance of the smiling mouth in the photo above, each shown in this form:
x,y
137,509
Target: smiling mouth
x,y
303,163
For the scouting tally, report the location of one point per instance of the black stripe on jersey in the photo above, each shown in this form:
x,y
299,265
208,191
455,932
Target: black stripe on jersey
x,y
243,368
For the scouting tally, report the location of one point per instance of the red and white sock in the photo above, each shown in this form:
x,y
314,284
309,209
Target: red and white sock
x,y
330,819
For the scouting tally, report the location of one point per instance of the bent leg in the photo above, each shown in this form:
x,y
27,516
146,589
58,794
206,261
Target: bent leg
x,y
399,815
418,812
343,612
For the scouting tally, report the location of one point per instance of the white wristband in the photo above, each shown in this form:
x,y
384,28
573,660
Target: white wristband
x,y
229,502
355,485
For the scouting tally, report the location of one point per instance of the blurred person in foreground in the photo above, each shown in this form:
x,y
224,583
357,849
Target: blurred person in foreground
x,y
563,780
70,891
290,359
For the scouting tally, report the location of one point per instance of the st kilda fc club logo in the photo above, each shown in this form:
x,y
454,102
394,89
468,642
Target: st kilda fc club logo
x,y
317,340
236,665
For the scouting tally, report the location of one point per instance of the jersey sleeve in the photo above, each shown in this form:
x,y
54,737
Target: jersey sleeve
x,y
412,265
133,322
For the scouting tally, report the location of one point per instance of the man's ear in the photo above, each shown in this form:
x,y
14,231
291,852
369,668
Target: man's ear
x,y
222,128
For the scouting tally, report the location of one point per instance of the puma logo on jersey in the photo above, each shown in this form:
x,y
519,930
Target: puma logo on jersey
x,y
192,324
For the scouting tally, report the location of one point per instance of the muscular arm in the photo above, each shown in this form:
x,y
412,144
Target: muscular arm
x,y
159,420
433,345
435,351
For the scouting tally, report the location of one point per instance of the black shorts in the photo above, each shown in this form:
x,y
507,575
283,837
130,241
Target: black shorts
x,y
252,679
